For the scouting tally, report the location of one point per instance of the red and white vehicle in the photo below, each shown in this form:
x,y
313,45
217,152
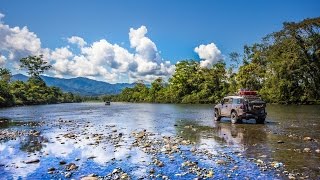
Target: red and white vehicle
x,y
245,105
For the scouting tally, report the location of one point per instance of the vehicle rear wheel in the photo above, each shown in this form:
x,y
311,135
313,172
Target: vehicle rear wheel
x,y
217,117
260,120
234,117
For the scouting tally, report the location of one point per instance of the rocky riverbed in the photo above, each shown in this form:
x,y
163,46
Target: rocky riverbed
x,y
80,146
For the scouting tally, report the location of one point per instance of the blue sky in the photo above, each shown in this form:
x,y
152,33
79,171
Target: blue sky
x,y
174,29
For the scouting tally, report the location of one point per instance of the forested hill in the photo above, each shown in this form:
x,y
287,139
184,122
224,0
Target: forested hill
x,y
79,85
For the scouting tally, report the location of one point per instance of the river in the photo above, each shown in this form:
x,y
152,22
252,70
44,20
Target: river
x,y
44,141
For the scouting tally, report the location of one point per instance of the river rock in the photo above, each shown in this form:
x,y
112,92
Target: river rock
x,y
52,169
307,139
92,157
220,161
124,176
68,175
307,150
210,174
151,171
62,162
193,149
89,178
276,164
71,167
140,134
32,161
317,150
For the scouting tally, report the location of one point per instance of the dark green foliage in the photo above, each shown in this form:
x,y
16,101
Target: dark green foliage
x,y
35,65
34,90
189,84
284,68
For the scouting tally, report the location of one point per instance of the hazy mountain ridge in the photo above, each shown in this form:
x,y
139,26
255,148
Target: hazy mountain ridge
x,y
80,85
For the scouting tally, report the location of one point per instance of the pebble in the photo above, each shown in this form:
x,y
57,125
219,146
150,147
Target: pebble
x,y
68,175
307,150
52,169
32,161
151,171
220,161
89,178
307,138
71,167
62,162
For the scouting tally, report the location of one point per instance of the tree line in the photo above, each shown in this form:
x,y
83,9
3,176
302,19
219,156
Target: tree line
x,y
284,68
35,90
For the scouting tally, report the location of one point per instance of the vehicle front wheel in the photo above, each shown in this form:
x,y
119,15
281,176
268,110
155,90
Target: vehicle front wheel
x,y
234,117
260,120
217,117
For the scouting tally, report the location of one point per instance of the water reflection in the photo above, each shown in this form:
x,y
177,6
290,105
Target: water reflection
x,y
32,143
7,123
285,124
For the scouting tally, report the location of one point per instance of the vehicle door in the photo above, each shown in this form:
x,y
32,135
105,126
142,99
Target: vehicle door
x,y
226,107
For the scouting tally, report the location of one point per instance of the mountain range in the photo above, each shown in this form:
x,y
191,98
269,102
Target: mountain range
x,y
79,85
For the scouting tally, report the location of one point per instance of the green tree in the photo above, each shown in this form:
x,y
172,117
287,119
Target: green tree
x,y
294,62
156,86
6,98
5,74
35,65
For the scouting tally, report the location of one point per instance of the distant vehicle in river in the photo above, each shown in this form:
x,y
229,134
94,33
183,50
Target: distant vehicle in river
x,y
107,103
245,105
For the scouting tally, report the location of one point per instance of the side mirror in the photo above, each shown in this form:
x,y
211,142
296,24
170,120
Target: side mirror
x,y
221,102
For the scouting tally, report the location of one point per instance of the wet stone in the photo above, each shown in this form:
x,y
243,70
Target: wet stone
x,y
71,167
307,139
32,161
307,150
68,175
62,162
52,169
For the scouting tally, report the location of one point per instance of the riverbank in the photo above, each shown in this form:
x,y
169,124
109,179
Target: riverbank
x,y
154,141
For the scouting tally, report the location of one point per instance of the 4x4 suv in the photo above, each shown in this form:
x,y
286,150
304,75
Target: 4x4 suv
x,y
244,106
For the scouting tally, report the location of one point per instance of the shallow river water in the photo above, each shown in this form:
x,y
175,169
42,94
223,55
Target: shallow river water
x,y
140,140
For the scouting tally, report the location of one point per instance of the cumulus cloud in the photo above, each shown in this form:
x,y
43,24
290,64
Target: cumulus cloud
x,y
1,16
147,57
209,54
77,40
18,41
2,60
102,59
99,60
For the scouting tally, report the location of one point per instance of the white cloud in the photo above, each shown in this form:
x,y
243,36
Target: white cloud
x,y
1,16
147,57
18,42
2,60
77,40
209,54
100,60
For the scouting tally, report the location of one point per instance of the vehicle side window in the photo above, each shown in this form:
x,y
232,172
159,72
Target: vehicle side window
x,y
225,101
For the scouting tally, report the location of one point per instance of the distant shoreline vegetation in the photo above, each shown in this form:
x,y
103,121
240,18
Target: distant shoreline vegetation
x,y
34,91
284,68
